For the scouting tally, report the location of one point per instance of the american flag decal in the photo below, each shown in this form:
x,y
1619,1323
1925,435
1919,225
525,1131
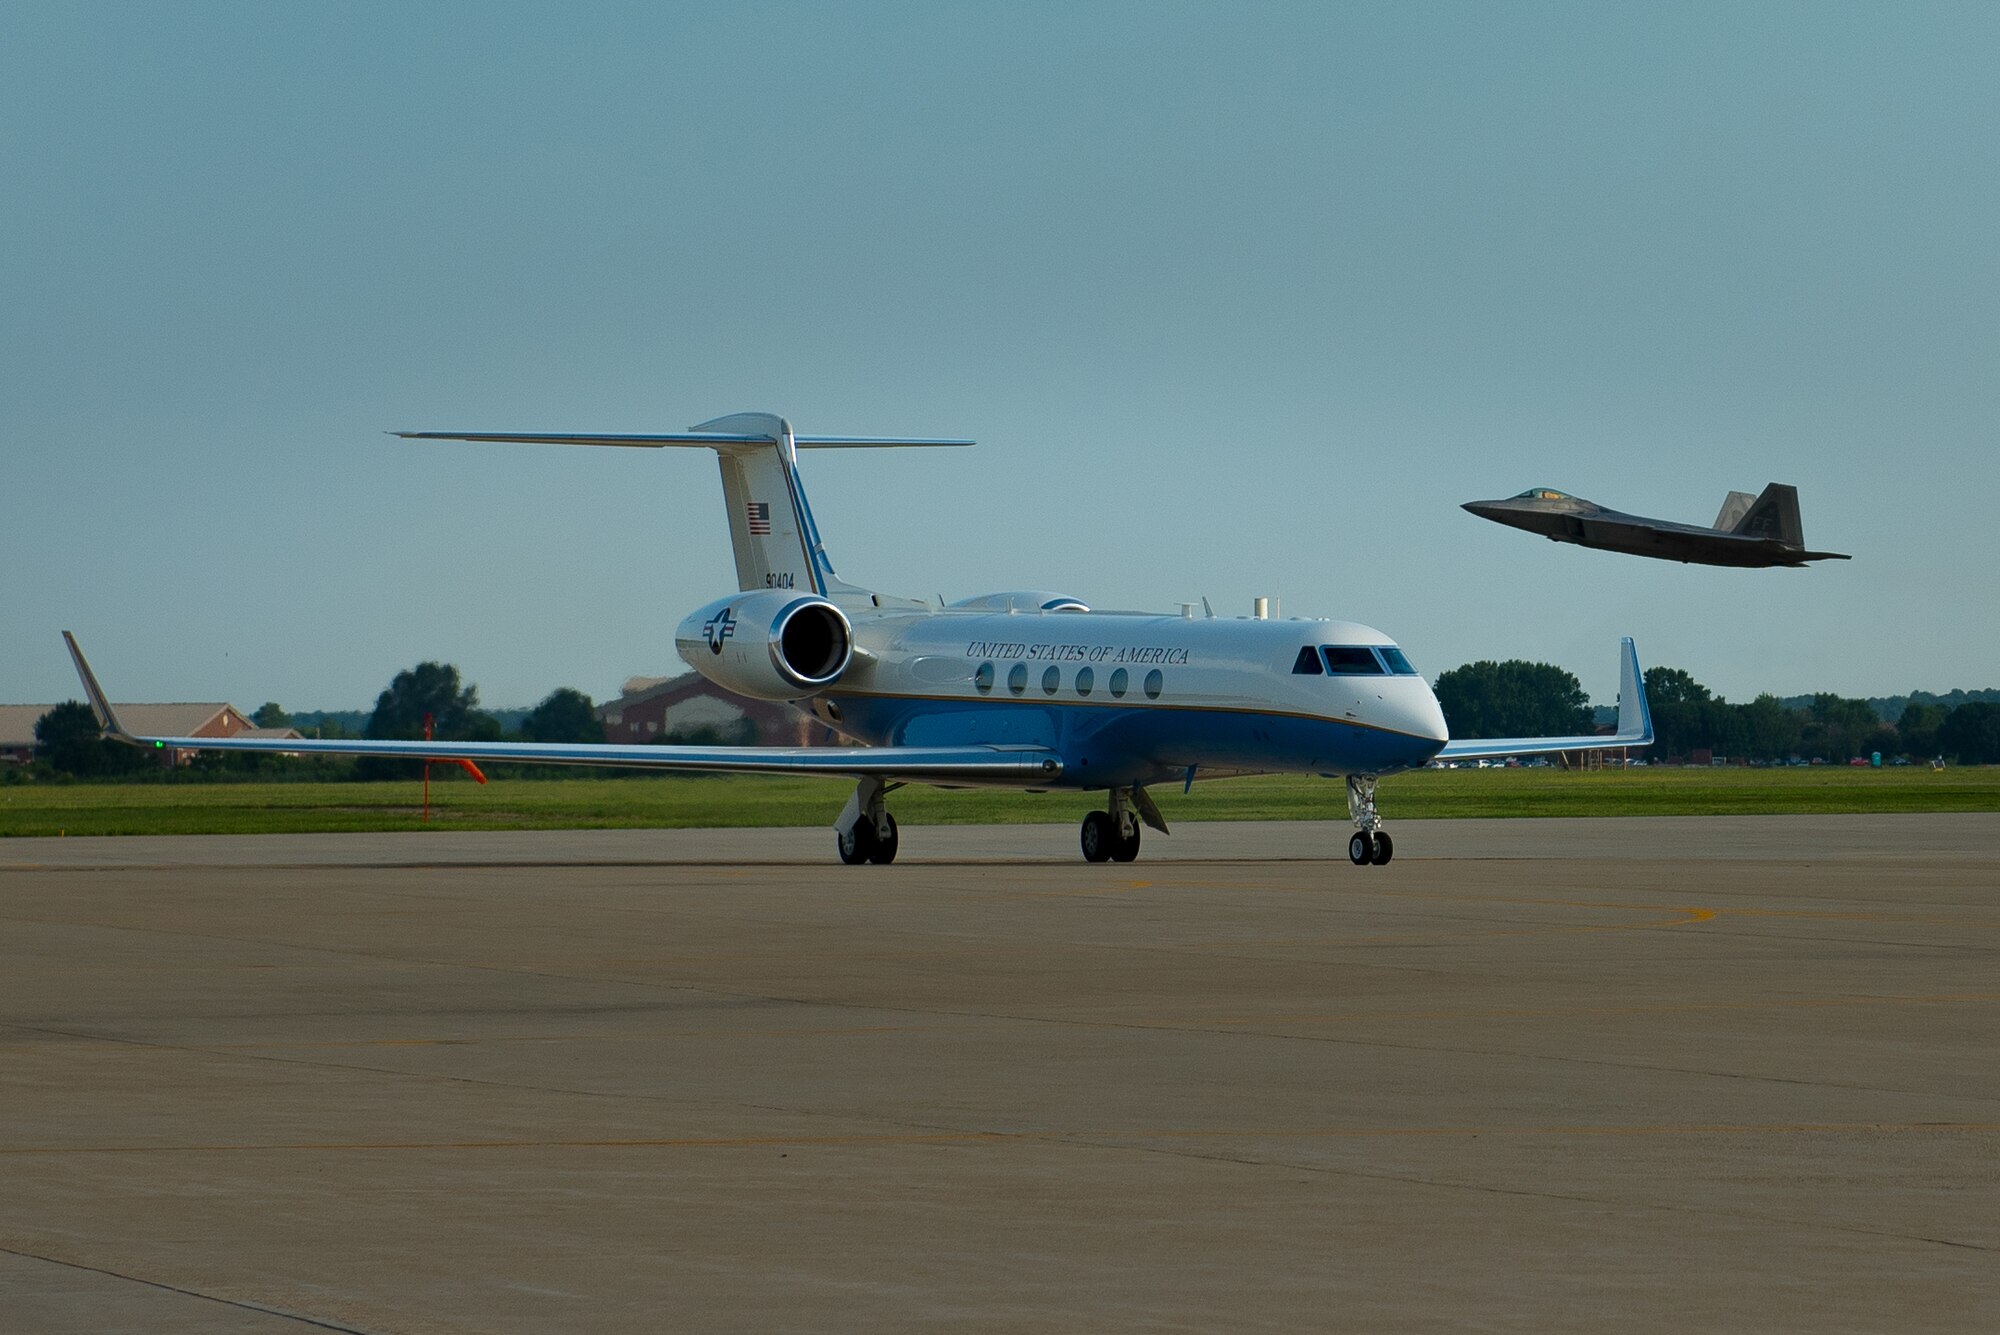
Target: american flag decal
x,y
760,517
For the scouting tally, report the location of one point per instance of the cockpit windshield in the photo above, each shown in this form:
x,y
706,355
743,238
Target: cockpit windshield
x,y
1544,494
1344,660
1398,664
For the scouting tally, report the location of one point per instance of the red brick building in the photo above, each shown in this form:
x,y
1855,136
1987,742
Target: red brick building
x,y
17,726
690,708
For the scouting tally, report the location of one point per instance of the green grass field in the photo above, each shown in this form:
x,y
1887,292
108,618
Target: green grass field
x,y
585,803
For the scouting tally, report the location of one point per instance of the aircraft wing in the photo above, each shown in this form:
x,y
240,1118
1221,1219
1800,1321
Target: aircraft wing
x,y
1635,724
1019,766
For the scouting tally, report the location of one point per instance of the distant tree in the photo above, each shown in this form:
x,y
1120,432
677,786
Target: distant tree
x,y
1513,699
564,715
1686,717
427,688
1971,734
1839,728
1917,729
1769,731
68,738
271,714
1673,686
430,689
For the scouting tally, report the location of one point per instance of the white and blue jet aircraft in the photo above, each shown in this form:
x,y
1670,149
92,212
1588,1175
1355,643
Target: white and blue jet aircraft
x,y
1028,689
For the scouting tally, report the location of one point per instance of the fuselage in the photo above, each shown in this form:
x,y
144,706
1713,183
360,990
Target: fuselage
x,y
1129,698
1587,524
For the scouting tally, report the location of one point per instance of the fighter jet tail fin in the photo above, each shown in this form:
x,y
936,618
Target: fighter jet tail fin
x,y
1734,507
1774,515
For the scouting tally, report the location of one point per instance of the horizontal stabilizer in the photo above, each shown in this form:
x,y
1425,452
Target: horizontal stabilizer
x,y
714,440
1635,724
772,535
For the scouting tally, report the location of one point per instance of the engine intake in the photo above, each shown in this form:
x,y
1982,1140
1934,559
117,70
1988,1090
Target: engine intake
x,y
772,644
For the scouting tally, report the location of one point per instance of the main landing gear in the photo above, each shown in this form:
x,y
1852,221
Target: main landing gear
x,y
1371,844
1113,835
866,832
1107,838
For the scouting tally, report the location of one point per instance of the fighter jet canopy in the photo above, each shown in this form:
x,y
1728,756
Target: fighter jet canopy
x,y
1544,494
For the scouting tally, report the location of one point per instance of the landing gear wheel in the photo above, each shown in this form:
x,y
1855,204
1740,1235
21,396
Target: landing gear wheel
x,y
1360,849
1128,848
1099,838
1385,848
884,851
857,844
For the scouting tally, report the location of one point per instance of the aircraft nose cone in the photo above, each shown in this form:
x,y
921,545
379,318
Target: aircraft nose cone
x,y
1432,723
1484,509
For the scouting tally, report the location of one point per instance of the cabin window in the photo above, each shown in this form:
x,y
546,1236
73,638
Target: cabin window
x,y
1085,679
1350,660
1017,679
1051,681
983,679
1307,663
1398,664
1155,680
1118,679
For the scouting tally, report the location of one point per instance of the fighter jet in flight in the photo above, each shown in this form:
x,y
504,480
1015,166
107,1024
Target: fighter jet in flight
x,y
1759,531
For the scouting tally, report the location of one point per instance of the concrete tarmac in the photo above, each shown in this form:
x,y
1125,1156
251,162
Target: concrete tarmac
x,y
1736,1074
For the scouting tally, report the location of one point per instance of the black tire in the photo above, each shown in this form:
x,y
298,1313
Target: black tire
x,y
1097,837
1125,850
1360,848
884,851
1385,848
856,845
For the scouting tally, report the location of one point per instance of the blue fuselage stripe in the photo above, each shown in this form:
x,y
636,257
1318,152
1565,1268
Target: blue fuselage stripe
x,y
1102,745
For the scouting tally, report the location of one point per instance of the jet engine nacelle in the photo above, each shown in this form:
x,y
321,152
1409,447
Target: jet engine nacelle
x,y
771,644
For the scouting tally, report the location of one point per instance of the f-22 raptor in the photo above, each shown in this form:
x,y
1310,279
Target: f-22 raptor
x,y
1760,531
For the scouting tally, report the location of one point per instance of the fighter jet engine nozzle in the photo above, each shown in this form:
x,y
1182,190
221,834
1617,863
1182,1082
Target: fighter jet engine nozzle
x,y
770,644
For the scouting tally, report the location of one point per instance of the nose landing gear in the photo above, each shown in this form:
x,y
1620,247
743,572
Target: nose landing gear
x,y
1371,844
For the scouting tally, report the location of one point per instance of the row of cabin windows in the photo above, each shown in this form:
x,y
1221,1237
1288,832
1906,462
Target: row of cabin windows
x,y
1352,660
1118,683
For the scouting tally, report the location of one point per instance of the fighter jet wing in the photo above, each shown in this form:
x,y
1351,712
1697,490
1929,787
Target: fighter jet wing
x,y
998,765
1635,724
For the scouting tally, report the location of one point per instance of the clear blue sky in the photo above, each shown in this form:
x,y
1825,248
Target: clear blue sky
x,y
1238,300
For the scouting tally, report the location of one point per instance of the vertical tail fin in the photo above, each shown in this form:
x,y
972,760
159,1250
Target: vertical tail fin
x,y
771,530
1775,514
1734,506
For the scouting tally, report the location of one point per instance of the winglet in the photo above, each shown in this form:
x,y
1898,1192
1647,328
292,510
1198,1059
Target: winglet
x,y
1635,723
100,704
1635,716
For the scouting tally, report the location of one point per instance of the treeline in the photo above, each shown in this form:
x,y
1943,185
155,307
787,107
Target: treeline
x,y
1521,699
1889,708
1484,699
68,741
